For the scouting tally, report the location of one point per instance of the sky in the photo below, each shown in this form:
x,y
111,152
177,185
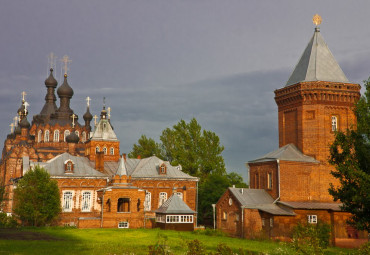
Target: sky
x,y
158,61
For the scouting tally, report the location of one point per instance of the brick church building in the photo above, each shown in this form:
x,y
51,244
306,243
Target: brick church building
x,y
98,186
290,185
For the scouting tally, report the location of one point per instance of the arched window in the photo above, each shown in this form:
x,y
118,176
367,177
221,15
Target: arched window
x,y
105,150
47,136
83,136
97,149
66,133
56,135
86,201
39,136
77,133
111,151
162,198
148,201
334,123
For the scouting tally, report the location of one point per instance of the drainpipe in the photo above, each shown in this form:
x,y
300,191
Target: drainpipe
x,y
102,210
278,173
242,232
196,208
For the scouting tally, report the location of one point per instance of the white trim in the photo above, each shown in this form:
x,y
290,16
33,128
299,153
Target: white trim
x,y
86,199
67,205
123,224
312,219
179,218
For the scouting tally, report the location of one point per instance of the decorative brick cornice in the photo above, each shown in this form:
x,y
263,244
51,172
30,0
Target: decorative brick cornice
x,y
318,92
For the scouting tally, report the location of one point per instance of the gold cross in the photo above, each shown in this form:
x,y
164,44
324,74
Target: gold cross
x,y
15,121
109,113
73,120
88,99
11,127
25,107
23,95
316,19
52,57
66,60
95,118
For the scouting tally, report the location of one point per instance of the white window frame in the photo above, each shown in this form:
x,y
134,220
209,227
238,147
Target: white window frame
x,y
179,219
47,136
67,201
161,218
39,136
105,150
97,149
312,219
148,201
123,224
334,123
66,133
111,150
162,198
56,136
86,201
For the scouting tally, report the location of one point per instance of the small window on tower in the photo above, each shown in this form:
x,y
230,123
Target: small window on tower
x,y
269,180
47,136
56,136
111,151
39,135
97,149
66,133
105,150
334,123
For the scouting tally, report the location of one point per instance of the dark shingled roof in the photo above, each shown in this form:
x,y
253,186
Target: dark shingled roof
x,y
312,205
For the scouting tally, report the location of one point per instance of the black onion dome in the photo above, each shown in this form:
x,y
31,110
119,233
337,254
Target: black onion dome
x,y
24,123
65,90
87,116
17,130
72,138
51,81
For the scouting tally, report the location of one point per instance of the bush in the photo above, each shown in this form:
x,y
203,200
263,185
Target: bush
x,y
7,221
311,238
364,249
209,232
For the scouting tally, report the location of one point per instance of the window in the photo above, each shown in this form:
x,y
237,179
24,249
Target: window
x,y
224,215
66,133
123,224
271,222
179,218
97,149
263,222
39,135
236,216
77,133
162,169
83,136
161,218
162,198
105,150
69,166
312,219
111,151
47,136
104,126
56,136
148,201
86,201
180,195
334,123
269,180
67,201
123,205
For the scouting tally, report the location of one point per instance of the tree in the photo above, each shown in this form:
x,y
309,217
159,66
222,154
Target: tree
x,y
146,147
350,154
36,198
197,151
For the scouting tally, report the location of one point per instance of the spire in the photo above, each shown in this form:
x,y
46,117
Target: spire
x,y
22,111
88,116
317,63
50,106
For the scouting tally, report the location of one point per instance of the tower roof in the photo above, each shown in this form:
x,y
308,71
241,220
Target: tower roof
x,y
317,63
174,205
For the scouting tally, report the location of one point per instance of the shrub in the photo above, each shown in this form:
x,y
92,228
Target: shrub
x,y
364,249
195,247
7,221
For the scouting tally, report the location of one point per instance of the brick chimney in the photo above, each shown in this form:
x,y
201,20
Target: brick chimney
x,y
99,161
124,156
138,156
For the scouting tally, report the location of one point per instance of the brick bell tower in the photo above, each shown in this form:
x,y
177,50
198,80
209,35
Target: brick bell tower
x,y
317,100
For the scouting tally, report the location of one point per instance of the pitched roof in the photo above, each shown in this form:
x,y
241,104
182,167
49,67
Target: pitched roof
x,y
104,131
258,199
317,63
121,168
82,167
313,205
288,152
174,205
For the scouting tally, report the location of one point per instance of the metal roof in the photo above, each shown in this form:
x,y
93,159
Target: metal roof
x,y
174,205
317,63
56,167
258,199
313,205
104,132
288,152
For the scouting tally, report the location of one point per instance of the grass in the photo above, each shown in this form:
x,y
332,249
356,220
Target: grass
x,y
131,241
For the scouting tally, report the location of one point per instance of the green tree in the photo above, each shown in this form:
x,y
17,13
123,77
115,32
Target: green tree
x,y
350,153
197,151
36,198
146,147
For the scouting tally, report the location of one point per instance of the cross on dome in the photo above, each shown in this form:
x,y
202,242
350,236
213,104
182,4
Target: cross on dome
x,y
95,118
23,95
26,104
316,19
52,59
108,112
11,127
65,60
15,120
73,120
88,99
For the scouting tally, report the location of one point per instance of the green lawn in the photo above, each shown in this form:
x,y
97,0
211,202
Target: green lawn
x,y
129,241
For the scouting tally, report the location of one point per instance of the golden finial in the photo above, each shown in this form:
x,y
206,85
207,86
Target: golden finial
x,y
316,19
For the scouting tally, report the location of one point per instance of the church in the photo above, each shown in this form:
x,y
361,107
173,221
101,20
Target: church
x,y
99,187
290,185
